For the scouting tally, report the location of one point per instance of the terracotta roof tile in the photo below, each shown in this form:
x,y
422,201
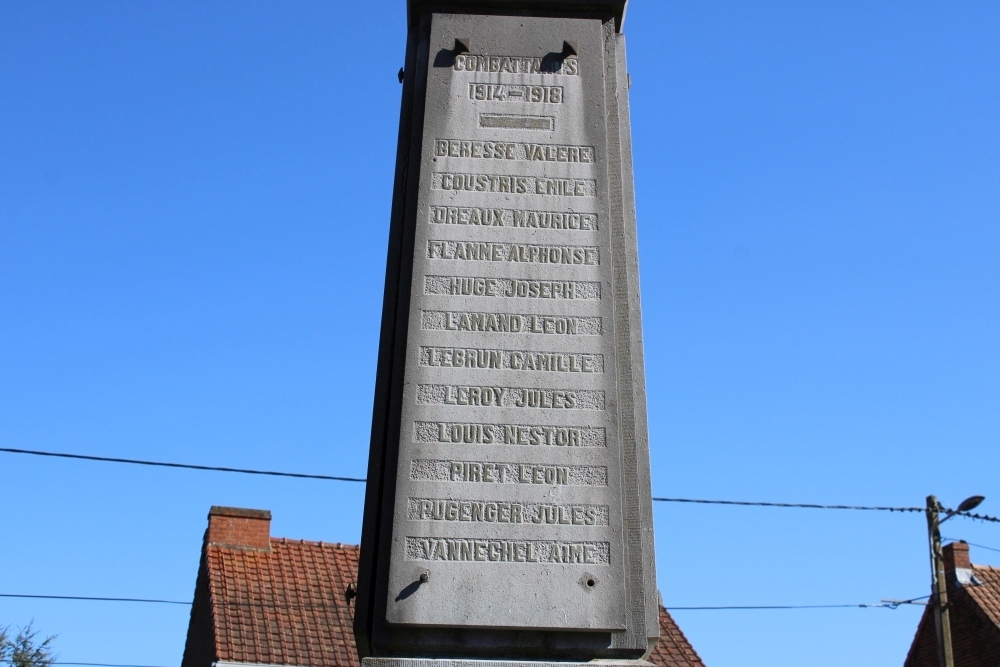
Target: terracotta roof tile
x,y
288,606
673,649
987,595
975,623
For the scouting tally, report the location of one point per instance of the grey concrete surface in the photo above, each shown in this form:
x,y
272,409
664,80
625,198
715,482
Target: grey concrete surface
x,y
509,438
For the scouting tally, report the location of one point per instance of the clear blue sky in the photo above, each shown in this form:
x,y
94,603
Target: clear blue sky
x,y
194,201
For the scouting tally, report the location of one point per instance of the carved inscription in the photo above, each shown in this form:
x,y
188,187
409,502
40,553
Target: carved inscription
x,y
521,219
510,397
501,150
515,360
507,551
558,325
525,253
513,184
498,92
486,511
509,434
531,238
488,472
510,287
516,64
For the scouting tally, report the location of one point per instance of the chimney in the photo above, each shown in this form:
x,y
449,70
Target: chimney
x,y
956,557
237,527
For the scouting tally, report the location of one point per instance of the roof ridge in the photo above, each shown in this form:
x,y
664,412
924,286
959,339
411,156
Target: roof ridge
x,y
976,566
320,543
291,606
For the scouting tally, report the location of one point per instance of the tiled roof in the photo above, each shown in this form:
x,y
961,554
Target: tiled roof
x,y
673,649
987,596
283,606
975,623
287,605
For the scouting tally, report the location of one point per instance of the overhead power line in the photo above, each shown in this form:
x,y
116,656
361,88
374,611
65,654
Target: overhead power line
x,y
977,517
221,603
339,478
785,606
884,604
748,503
188,466
892,604
971,544
87,598
871,508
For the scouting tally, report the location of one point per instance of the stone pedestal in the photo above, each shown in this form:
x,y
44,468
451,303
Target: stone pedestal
x,y
508,511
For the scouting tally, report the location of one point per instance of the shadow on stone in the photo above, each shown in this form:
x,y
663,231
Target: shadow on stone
x,y
552,62
409,590
445,58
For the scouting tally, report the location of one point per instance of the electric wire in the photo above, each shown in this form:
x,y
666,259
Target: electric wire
x,y
893,604
87,598
888,604
814,506
220,603
784,606
188,466
971,544
339,478
977,517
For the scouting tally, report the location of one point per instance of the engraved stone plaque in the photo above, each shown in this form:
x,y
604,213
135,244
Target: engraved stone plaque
x,y
508,485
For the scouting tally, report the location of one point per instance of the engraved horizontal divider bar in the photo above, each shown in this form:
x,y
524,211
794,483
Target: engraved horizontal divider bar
x,y
526,323
510,397
516,122
489,472
512,288
532,435
482,216
549,186
508,551
506,511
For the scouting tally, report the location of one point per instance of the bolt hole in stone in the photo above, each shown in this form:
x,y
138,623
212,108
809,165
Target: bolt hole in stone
x,y
591,582
414,586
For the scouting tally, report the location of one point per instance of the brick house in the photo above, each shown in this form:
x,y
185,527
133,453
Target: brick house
x,y
974,604
262,600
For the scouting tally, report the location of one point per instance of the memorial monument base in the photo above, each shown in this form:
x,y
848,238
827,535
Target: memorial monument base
x,y
459,662
508,515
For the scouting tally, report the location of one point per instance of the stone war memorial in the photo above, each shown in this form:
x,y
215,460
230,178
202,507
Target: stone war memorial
x,y
508,514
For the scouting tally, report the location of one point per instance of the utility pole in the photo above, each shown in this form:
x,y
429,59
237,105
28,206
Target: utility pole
x,y
939,586
939,595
